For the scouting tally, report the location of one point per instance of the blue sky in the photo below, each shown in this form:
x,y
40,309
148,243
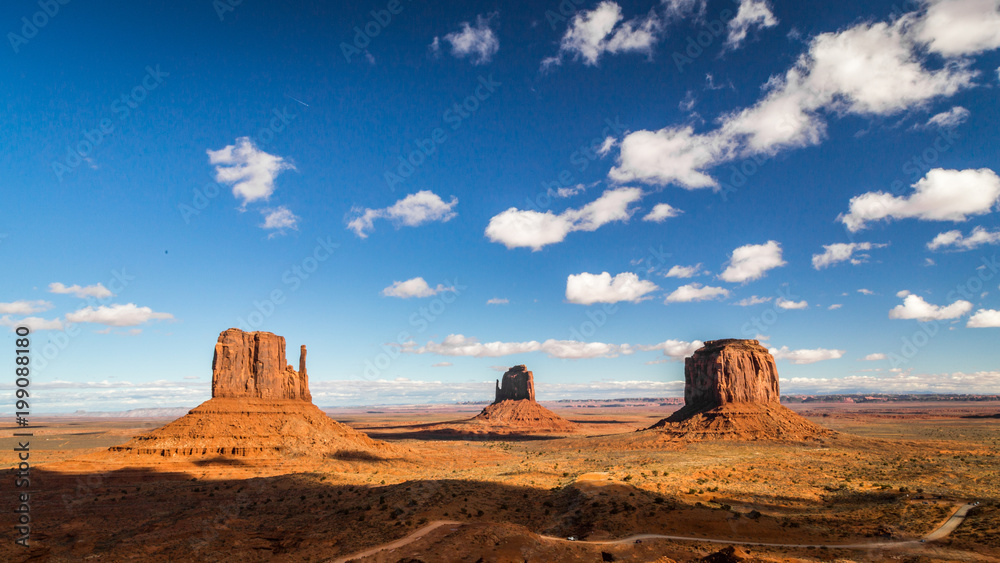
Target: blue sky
x,y
425,194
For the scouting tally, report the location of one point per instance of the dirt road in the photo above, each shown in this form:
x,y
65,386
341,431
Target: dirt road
x,y
947,527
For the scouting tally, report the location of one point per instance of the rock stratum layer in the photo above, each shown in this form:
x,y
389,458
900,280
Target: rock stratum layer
x,y
260,408
521,416
728,371
516,384
252,365
731,393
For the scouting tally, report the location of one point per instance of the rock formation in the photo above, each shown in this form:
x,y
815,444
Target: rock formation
x,y
728,371
514,408
260,408
252,365
517,383
731,393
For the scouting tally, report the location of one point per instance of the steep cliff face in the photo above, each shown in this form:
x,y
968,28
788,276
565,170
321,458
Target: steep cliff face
x,y
729,371
731,393
516,384
252,365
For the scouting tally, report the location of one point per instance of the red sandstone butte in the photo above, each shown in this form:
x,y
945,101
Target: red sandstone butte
x,y
252,365
516,384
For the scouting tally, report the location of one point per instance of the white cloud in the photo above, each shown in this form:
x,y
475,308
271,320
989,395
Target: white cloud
x,y
980,382
116,315
479,42
248,169
678,9
951,118
414,210
750,262
874,357
841,252
459,345
978,237
751,15
33,323
601,30
24,307
984,318
661,212
415,287
679,271
864,291
753,300
98,291
834,307
674,349
941,195
789,304
870,69
914,307
696,292
442,365
528,228
587,289
805,356
279,218
960,27
498,301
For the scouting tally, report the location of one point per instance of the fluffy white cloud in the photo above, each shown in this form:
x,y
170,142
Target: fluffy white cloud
x,y
753,300
751,261
978,237
661,212
98,291
587,289
751,15
789,304
914,307
984,318
24,307
459,345
696,292
533,229
498,301
33,323
674,349
592,33
805,356
870,69
279,219
864,291
415,287
948,119
960,27
841,252
679,271
479,42
834,307
984,382
874,357
414,210
941,195
442,365
248,169
116,315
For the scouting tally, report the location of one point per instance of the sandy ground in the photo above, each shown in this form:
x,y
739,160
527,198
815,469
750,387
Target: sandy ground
x,y
895,472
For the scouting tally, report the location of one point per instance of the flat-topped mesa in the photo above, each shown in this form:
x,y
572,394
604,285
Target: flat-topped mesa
x,y
516,384
729,371
252,365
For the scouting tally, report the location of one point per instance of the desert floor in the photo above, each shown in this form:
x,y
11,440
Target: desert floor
x,y
896,472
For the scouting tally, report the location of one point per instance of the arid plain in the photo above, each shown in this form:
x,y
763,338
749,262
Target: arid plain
x,y
894,472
